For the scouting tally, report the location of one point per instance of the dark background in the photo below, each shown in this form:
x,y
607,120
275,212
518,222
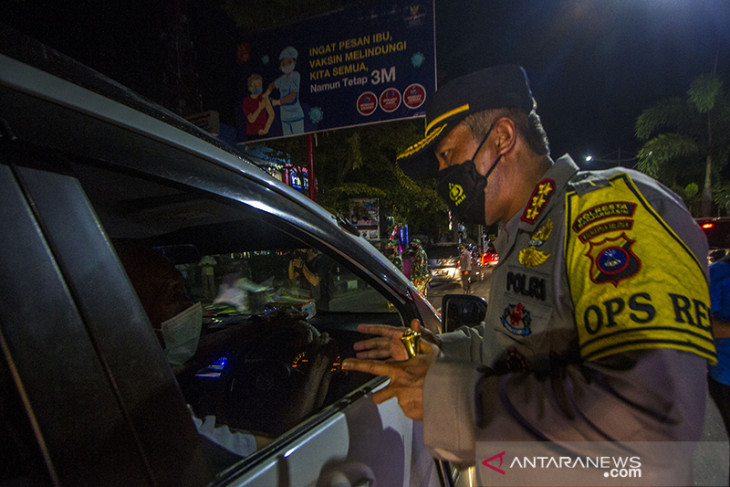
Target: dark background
x,y
594,65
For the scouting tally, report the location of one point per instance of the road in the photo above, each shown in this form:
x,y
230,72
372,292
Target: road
x,y
479,287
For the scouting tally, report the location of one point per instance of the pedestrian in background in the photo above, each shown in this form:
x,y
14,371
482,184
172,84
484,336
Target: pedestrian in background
x,y
207,277
393,254
465,268
719,376
419,274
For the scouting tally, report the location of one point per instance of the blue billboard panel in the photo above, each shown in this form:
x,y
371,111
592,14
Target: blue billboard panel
x,y
357,66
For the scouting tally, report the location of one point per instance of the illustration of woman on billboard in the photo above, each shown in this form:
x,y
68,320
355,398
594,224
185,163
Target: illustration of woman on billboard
x,y
291,113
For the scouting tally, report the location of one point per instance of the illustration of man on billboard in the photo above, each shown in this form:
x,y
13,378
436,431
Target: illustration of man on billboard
x,y
257,107
291,113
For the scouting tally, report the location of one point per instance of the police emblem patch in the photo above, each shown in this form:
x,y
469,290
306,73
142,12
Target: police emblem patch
x,y
516,319
613,260
531,256
456,193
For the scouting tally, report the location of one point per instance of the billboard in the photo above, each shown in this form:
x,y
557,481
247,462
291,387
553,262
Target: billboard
x,y
351,67
365,216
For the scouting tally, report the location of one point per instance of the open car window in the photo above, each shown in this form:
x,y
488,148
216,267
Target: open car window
x,y
253,316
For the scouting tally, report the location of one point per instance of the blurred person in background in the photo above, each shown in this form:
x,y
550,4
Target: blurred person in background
x,y
419,274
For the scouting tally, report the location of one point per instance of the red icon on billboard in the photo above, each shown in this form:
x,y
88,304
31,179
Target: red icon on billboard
x,y
367,103
414,96
390,100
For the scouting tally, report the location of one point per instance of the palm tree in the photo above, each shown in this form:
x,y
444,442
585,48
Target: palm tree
x,y
699,128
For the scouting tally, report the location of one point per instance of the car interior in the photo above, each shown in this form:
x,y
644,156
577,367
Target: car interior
x,y
272,337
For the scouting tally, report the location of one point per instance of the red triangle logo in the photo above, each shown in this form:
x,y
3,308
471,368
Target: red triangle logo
x,y
486,462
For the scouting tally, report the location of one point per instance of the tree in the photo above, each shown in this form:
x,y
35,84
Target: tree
x,y
360,162
699,131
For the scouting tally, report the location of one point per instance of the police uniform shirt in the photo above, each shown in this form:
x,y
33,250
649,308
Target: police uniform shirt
x,y
597,326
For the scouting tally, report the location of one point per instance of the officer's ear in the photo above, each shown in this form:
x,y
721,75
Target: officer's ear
x,y
505,135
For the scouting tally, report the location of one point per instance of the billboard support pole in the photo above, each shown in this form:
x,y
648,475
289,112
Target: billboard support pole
x,y
310,167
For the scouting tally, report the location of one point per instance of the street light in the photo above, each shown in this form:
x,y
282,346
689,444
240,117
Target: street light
x,y
617,161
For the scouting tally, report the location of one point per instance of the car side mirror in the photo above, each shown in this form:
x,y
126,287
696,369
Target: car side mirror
x,y
462,310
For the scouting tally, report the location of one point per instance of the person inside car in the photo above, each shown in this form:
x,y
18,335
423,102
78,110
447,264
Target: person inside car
x,y
177,321
161,291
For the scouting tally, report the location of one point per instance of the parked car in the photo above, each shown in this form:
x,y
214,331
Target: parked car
x,y
91,174
443,263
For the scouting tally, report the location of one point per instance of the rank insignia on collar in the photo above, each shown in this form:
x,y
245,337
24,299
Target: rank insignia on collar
x,y
612,260
531,256
516,319
539,199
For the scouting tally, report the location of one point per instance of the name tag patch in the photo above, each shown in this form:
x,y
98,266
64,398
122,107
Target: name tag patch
x,y
529,286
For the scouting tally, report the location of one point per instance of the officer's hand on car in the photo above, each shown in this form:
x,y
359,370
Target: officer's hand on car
x,y
406,374
389,345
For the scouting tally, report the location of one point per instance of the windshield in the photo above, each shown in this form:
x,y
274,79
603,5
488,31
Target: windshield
x,y
442,252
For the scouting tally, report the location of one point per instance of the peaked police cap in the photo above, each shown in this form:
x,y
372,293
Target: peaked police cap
x,y
504,86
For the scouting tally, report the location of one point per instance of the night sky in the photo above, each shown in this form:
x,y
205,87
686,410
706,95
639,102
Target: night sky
x,y
594,65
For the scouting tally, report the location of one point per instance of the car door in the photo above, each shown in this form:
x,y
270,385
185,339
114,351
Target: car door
x,y
344,437
102,403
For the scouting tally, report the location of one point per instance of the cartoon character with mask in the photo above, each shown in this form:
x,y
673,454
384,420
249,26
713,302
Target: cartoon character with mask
x,y
291,113
257,107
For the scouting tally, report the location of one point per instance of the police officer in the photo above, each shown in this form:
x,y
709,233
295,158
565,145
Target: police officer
x,y
589,335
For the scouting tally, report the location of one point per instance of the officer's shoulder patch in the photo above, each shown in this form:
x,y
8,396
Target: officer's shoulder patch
x,y
635,284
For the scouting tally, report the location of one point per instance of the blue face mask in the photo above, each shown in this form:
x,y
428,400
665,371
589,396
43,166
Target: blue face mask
x,y
257,90
288,68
